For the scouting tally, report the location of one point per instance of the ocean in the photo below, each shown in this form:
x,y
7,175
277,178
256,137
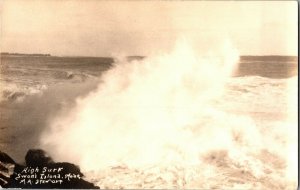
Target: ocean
x,y
173,121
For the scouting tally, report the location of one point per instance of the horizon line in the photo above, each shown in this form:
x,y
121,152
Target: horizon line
x,y
53,55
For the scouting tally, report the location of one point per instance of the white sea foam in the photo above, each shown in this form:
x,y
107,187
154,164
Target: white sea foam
x,y
179,120
16,92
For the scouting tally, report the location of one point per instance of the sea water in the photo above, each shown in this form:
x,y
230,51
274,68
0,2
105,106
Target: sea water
x,y
175,120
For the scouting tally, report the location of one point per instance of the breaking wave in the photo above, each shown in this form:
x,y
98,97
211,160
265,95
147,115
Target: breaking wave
x,y
169,121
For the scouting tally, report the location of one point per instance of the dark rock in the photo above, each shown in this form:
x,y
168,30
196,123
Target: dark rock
x,y
41,172
7,168
37,157
4,158
4,169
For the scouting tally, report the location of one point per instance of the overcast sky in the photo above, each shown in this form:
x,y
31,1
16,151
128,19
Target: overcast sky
x,y
102,28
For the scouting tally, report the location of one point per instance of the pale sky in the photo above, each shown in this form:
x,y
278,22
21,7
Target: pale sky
x,y
102,28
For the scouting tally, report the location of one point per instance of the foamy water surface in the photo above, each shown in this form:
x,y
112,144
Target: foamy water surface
x,y
175,120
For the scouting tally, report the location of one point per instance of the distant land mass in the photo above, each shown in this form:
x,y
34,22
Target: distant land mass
x,y
25,54
135,57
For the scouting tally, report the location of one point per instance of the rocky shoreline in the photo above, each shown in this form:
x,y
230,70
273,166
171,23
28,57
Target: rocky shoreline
x,y
40,171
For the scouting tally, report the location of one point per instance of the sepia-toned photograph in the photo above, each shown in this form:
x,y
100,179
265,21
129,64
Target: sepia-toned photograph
x,y
149,94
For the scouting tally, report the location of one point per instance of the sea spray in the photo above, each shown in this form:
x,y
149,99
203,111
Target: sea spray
x,y
163,116
142,108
